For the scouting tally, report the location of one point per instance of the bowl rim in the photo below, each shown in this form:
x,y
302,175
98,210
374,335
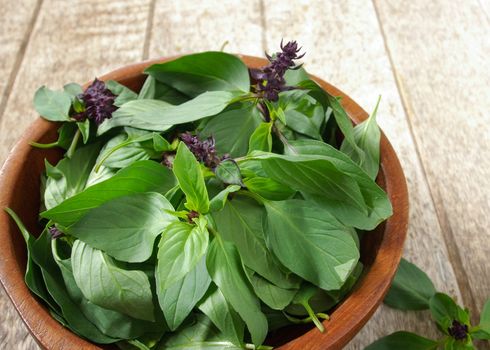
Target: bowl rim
x,y
346,320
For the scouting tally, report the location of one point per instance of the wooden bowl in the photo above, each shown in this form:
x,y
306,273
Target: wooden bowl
x,y
381,249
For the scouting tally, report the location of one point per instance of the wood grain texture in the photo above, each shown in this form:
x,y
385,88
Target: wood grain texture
x,y
71,41
344,45
192,26
444,75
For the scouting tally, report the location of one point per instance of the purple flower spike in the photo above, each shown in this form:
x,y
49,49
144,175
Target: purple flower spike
x,y
54,232
204,151
269,81
458,330
98,101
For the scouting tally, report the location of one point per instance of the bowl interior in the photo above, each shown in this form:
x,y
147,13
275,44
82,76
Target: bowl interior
x,y
19,190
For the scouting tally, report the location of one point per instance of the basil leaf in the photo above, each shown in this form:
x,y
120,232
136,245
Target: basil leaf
x,y
227,320
268,188
156,90
240,222
111,287
187,170
411,288
158,115
206,71
77,322
310,296
309,241
304,124
125,227
225,267
403,341
33,276
69,176
179,299
52,105
275,297
84,128
232,130
181,247
143,176
123,93
228,172
73,89
444,311
202,335
375,198
484,326
295,76
335,182
261,139
109,322
219,201
367,136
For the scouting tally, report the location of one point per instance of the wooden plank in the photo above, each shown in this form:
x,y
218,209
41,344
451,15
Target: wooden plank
x,y
440,52
71,41
344,46
17,21
189,26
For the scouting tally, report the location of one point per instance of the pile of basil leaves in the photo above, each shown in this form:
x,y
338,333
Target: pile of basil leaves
x,y
274,235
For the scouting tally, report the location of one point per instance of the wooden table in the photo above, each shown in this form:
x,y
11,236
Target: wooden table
x,y
428,59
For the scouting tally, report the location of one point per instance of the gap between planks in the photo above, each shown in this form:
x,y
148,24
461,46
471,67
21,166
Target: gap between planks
x,y
447,233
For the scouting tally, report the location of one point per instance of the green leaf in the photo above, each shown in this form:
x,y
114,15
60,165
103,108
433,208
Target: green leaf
x,y
33,276
295,76
304,124
156,90
225,267
202,335
309,241
229,172
376,200
84,128
261,139
268,188
123,93
275,297
52,105
109,322
311,297
125,227
444,310
403,341
158,115
227,320
187,170
367,136
240,222
219,201
69,176
484,326
411,288
73,89
232,130
71,312
206,71
181,247
111,287
143,176
179,299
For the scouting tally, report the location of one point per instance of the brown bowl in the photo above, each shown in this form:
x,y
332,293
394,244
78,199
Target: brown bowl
x,y
381,249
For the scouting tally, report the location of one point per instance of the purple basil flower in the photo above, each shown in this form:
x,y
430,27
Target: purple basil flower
x,y
269,81
54,232
98,101
458,330
204,151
